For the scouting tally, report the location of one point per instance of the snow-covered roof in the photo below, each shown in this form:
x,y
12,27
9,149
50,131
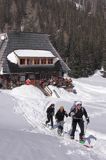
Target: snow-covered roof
x,y
33,53
12,58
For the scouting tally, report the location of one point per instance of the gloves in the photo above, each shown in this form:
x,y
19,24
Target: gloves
x,y
66,115
87,120
71,114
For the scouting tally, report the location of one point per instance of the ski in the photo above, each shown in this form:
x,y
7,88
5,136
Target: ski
x,y
83,144
44,125
88,146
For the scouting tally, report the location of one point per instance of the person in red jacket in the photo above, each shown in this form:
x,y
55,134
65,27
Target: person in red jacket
x,y
28,82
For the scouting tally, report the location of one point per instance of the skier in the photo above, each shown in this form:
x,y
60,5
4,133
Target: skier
x,y
61,113
77,117
50,113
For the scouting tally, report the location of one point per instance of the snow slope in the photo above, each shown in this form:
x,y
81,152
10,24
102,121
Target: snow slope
x,y
23,113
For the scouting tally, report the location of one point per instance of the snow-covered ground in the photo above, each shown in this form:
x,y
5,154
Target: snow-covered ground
x,y
23,113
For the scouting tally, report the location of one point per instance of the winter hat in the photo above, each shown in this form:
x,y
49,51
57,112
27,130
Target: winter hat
x,y
52,105
78,103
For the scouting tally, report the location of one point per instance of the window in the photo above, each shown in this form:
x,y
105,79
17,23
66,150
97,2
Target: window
x,y
50,61
22,61
29,61
36,61
43,61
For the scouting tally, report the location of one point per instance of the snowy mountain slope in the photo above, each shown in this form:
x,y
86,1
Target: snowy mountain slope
x,y
25,128
8,119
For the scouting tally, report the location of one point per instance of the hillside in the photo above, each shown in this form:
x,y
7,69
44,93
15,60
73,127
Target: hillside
x,y
22,114
77,33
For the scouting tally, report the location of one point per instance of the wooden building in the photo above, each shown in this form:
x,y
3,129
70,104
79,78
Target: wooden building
x,y
29,55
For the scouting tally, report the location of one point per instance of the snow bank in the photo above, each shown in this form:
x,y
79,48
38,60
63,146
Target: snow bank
x,y
28,91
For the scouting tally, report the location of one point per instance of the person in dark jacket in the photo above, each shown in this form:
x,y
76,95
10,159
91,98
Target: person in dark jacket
x,y
61,113
77,114
50,113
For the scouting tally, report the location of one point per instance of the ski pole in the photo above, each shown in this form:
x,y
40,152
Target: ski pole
x,y
86,128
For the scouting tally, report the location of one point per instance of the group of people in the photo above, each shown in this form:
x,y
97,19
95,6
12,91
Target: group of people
x,y
77,112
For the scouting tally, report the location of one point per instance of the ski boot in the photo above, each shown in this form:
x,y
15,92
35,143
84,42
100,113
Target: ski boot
x,y
81,139
71,137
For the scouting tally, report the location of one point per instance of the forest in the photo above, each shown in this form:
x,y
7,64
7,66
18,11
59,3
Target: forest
x,y
78,33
